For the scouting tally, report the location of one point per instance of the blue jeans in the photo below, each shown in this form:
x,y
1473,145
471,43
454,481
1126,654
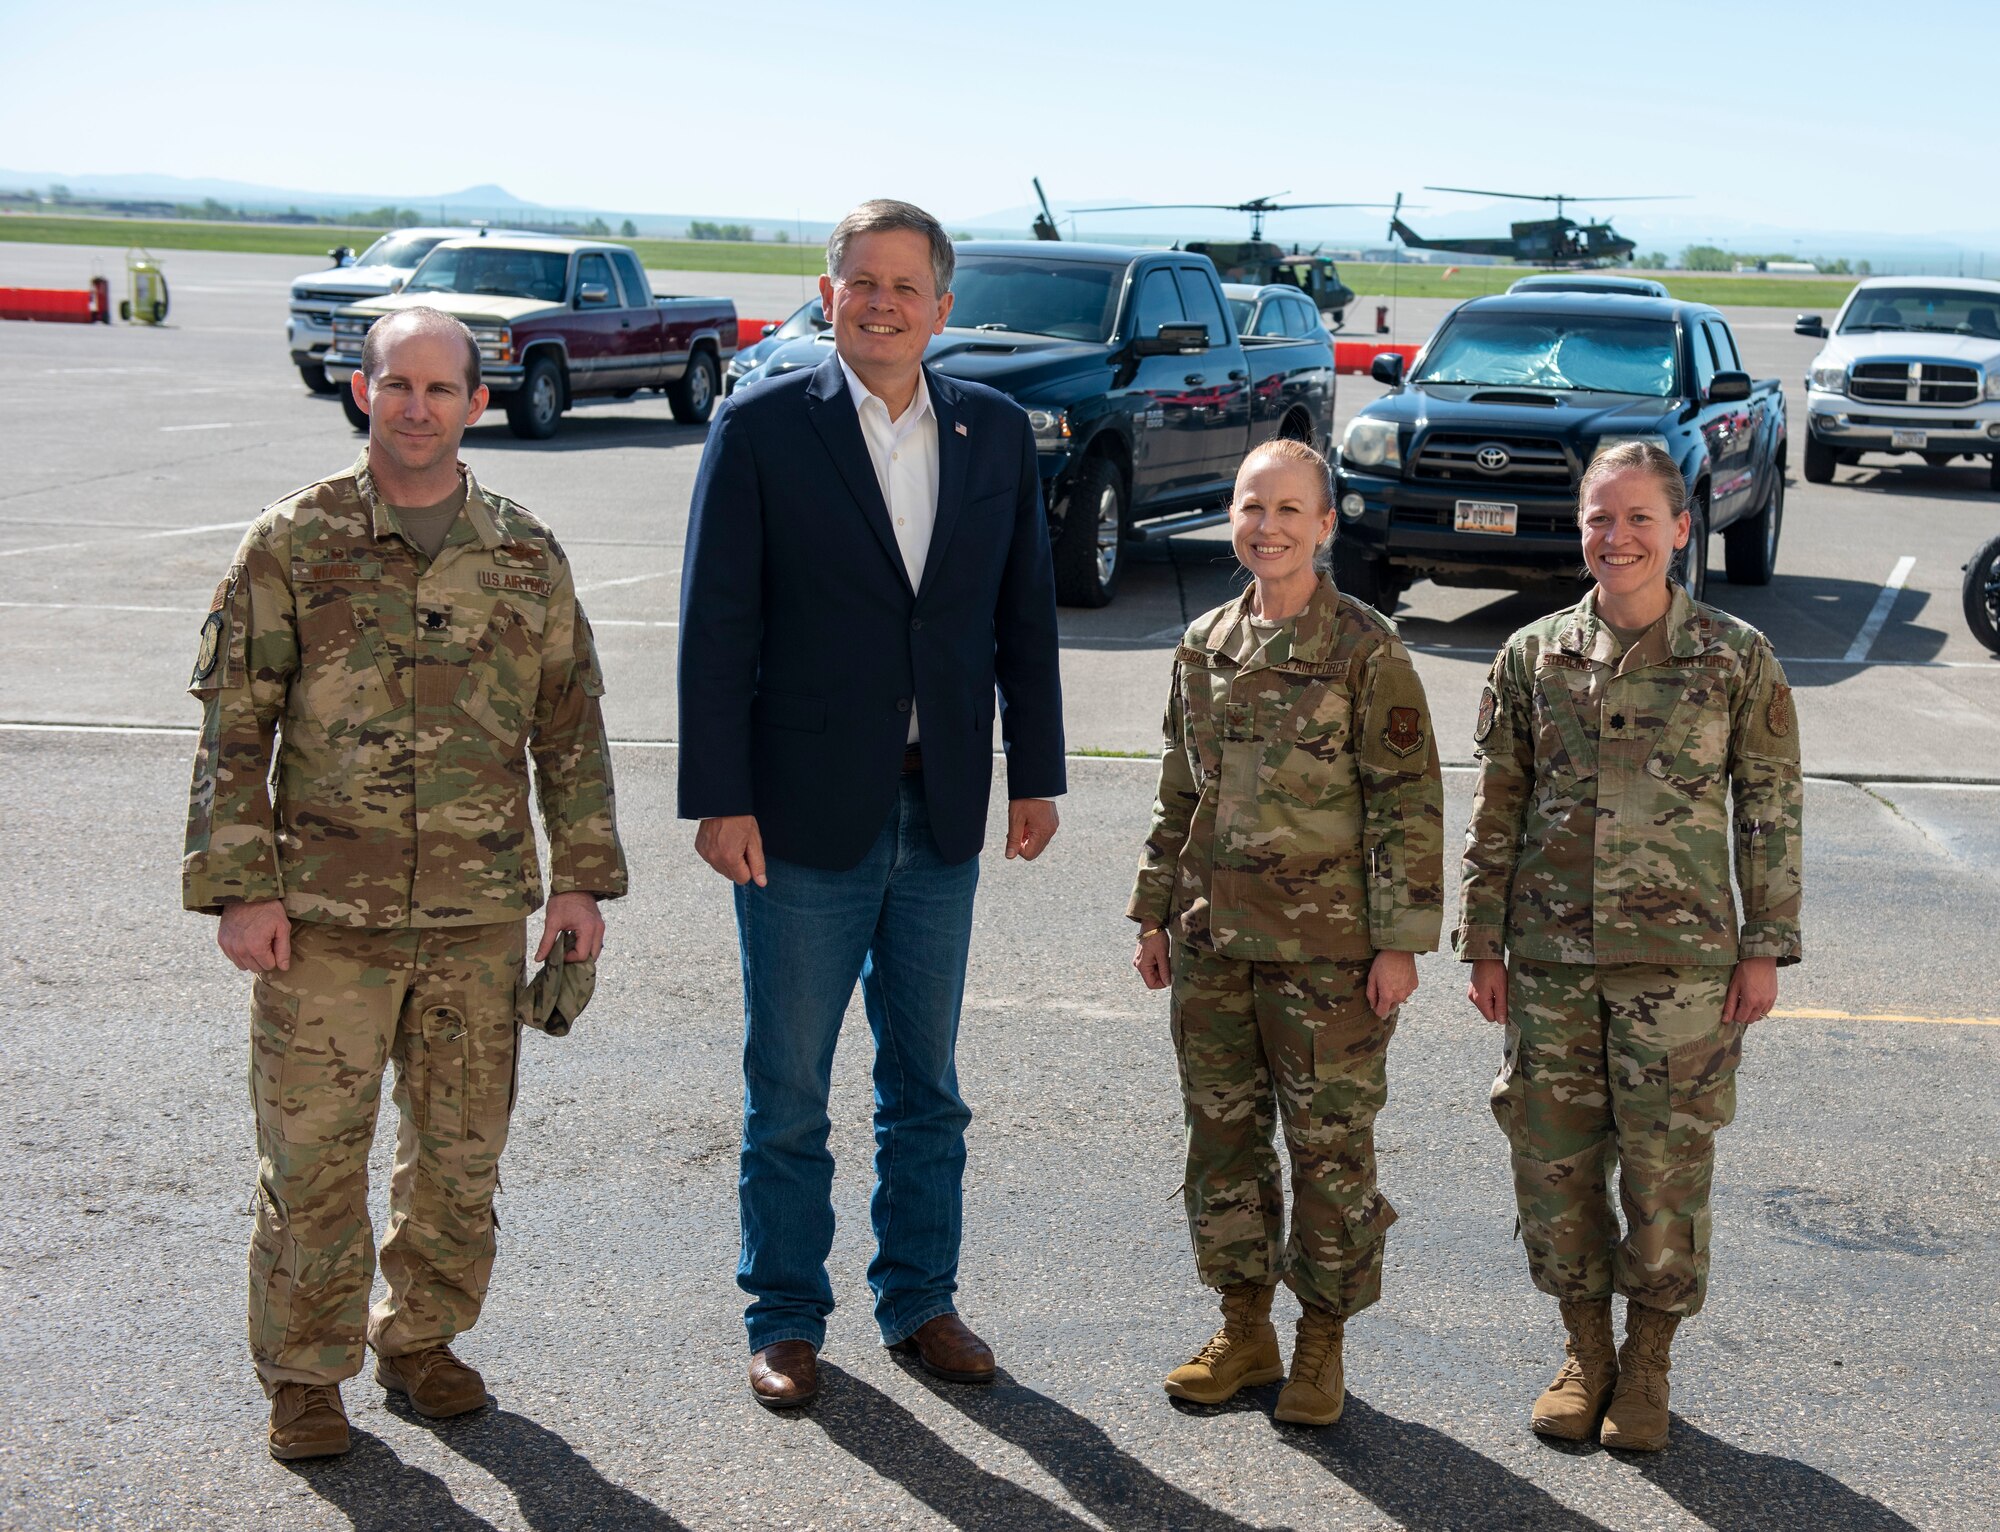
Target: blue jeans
x,y
902,922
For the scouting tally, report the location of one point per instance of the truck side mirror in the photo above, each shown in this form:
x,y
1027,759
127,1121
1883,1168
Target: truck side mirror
x,y
592,295
396,285
341,255
1183,339
768,330
1729,387
1387,368
1810,324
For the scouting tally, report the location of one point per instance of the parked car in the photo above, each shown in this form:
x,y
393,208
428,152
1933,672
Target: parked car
x,y
1590,282
1466,472
807,319
559,320
1912,365
381,268
1143,396
1272,312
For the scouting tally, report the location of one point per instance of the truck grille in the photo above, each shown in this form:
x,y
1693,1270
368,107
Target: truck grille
x,y
1913,383
1462,458
338,300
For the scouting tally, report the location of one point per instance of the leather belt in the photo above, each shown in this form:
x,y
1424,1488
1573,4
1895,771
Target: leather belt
x,y
913,760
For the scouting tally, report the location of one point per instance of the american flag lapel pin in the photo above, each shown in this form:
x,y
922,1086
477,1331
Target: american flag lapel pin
x,y
959,427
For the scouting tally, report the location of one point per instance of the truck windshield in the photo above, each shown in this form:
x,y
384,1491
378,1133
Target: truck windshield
x,y
493,269
1944,309
1586,353
1073,299
399,249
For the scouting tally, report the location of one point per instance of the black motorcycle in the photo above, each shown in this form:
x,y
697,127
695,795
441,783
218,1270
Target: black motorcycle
x,y
1982,595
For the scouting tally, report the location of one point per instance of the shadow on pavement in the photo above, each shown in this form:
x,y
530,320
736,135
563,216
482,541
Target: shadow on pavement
x,y
1107,1481
379,1492
1425,1481
1726,1486
555,1485
867,1424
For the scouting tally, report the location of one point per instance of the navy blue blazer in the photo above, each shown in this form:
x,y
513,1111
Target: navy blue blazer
x,y
803,645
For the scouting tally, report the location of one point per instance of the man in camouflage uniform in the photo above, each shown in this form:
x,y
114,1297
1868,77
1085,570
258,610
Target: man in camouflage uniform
x,y
1298,833
1598,863
410,639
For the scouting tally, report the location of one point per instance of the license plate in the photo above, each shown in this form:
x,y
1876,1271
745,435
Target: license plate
x,y
1488,516
1917,439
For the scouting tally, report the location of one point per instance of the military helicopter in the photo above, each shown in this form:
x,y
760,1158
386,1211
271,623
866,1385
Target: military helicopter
x,y
1256,260
1556,241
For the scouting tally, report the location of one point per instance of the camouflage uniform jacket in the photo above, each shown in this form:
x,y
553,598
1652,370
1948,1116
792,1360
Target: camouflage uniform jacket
x,y
1300,815
1601,823
402,692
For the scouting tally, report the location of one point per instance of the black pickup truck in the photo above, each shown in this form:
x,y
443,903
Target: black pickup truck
x,y
1143,397
1466,472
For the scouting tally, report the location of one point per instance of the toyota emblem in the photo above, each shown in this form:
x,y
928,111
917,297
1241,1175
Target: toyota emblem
x,y
1492,457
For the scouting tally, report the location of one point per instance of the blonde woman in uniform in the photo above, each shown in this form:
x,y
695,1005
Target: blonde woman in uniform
x,y
1630,748
1292,874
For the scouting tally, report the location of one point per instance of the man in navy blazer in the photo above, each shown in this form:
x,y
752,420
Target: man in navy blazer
x,y
867,564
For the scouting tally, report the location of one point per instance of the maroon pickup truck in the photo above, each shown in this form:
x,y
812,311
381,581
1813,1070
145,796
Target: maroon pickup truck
x,y
558,321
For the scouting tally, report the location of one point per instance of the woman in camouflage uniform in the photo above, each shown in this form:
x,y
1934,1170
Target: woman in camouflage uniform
x,y
1293,871
1615,738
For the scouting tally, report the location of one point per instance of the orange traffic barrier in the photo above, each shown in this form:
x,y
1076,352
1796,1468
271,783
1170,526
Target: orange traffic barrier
x,y
52,305
1356,356
750,331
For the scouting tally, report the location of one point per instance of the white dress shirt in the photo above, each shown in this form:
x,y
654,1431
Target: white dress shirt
x,y
905,454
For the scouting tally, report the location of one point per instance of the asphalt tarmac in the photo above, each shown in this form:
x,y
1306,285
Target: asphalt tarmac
x,y
1845,1373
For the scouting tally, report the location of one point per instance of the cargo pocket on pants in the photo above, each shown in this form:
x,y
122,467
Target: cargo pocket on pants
x,y
1701,1082
443,1080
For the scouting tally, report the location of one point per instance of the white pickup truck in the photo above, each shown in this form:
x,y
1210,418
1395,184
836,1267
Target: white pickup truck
x,y
1912,365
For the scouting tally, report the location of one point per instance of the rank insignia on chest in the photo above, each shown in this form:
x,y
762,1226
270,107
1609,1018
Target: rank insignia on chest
x,y
1778,714
1488,704
1404,732
211,648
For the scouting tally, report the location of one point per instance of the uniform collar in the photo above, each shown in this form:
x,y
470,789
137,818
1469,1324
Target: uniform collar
x,y
479,508
1681,634
1312,632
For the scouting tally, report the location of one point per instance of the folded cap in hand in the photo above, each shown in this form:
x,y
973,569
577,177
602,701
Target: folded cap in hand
x,y
556,996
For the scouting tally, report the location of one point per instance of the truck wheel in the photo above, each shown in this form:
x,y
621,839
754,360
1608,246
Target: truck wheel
x,y
356,415
1089,547
1690,565
313,375
1750,548
1982,595
1297,427
1819,460
533,412
693,397
1362,576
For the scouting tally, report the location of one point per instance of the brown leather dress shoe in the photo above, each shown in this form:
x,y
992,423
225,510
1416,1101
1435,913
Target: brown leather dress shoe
x,y
437,1384
307,1421
786,1375
948,1349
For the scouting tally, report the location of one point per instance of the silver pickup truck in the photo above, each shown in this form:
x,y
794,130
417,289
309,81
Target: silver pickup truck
x,y
1912,365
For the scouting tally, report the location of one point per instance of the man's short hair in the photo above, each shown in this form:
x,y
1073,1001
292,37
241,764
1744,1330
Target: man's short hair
x,y
420,317
882,215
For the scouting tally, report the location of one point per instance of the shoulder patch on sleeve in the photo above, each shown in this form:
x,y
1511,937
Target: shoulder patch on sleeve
x,y
1489,704
1778,711
210,653
1404,732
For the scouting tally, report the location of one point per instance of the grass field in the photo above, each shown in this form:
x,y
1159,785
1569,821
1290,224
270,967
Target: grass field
x,y
1371,281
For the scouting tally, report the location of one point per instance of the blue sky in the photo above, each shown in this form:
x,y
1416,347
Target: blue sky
x,y
1813,117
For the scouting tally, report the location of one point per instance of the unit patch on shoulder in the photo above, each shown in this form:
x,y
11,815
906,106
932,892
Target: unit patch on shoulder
x,y
1488,705
1404,733
1778,714
211,648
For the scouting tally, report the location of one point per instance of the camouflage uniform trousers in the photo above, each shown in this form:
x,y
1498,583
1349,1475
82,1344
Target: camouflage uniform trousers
x,y
440,1002
1627,1063
1260,1043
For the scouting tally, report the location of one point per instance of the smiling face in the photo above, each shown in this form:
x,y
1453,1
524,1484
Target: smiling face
x,y
884,302
1630,533
1280,515
417,401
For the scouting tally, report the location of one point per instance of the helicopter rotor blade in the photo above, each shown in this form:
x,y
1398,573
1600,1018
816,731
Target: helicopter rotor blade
x,y
1474,191
1043,198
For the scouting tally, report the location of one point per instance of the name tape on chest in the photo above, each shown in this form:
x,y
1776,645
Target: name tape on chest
x,y
1555,659
507,579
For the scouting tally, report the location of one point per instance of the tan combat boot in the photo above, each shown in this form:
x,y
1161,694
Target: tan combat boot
x,y
1243,1353
1571,1406
1317,1391
437,1384
1637,1419
307,1421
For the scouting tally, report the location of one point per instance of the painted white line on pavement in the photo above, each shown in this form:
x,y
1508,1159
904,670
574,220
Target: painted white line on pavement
x,y
99,606
1865,639
629,580
213,425
629,622
213,526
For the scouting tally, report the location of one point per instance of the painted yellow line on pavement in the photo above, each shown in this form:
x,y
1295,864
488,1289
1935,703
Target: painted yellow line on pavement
x,y
1937,1021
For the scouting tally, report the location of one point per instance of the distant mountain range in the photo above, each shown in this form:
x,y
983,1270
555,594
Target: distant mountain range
x,y
1671,232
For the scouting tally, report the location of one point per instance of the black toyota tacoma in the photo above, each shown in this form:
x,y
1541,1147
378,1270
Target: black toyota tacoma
x,y
1143,396
1466,472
